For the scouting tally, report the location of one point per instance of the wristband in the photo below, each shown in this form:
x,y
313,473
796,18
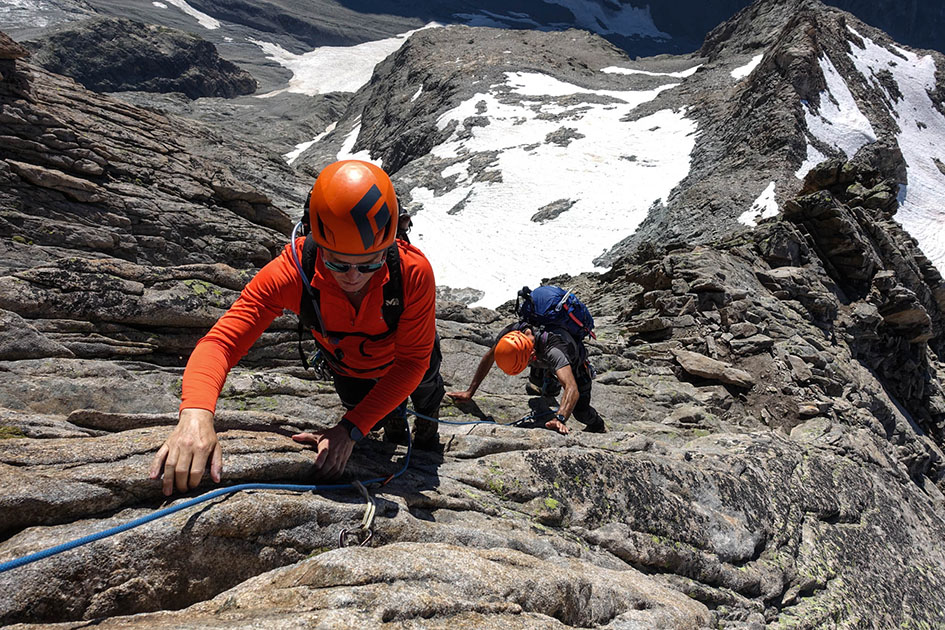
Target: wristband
x,y
559,418
351,429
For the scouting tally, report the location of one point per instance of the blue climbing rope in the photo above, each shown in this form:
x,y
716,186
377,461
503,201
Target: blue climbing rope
x,y
18,562
52,551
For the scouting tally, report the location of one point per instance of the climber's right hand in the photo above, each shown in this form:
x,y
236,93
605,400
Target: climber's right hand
x,y
183,457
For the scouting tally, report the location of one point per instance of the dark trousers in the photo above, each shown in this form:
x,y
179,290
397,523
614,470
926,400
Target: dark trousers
x,y
583,410
548,383
426,397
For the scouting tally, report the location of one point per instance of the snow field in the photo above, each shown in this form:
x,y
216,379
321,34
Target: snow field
x,y
921,139
332,68
612,175
837,122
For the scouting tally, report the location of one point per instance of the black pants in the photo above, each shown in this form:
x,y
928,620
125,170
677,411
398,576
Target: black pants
x,y
426,397
583,411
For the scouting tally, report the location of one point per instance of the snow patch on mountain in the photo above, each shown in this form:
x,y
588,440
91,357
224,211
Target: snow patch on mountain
x,y
921,133
837,121
601,179
813,158
345,153
743,71
203,19
300,148
332,68
764,207
542,85
491,19
681,74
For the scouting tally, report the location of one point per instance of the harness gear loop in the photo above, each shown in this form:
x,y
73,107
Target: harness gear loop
x,y
318,365
363,534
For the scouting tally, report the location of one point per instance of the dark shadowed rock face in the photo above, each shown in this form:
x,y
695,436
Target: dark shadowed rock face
x,y
116,54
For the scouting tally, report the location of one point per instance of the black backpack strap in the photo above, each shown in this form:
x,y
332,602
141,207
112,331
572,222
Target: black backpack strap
x,y
306,218
310,315
393,306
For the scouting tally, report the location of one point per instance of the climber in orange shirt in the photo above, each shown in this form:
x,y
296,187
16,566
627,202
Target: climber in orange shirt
x,y
378,341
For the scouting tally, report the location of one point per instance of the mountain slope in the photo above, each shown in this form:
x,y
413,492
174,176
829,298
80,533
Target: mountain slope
x,y
145,208
822,88
551,147
749,120
459,120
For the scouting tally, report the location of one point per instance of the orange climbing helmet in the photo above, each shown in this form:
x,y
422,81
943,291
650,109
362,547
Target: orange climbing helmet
x,y
514,351
353,208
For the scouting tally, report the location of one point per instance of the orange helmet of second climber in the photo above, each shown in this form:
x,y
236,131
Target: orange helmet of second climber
x,y
513,352
353,208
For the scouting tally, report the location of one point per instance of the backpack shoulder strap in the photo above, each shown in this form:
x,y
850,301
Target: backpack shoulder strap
x,y
393,306
309,313
524,295
310,295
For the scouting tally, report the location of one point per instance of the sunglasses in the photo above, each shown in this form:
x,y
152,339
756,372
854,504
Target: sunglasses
x,y
345,267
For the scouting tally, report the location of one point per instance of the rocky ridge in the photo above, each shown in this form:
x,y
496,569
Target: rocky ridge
x,y
774,400
755,130
118,54
677,29
755,463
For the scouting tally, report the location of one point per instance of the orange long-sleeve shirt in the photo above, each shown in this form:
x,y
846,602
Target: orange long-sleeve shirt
x,y
398,361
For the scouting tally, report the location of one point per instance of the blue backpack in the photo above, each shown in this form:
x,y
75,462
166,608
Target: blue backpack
x,y
549,306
